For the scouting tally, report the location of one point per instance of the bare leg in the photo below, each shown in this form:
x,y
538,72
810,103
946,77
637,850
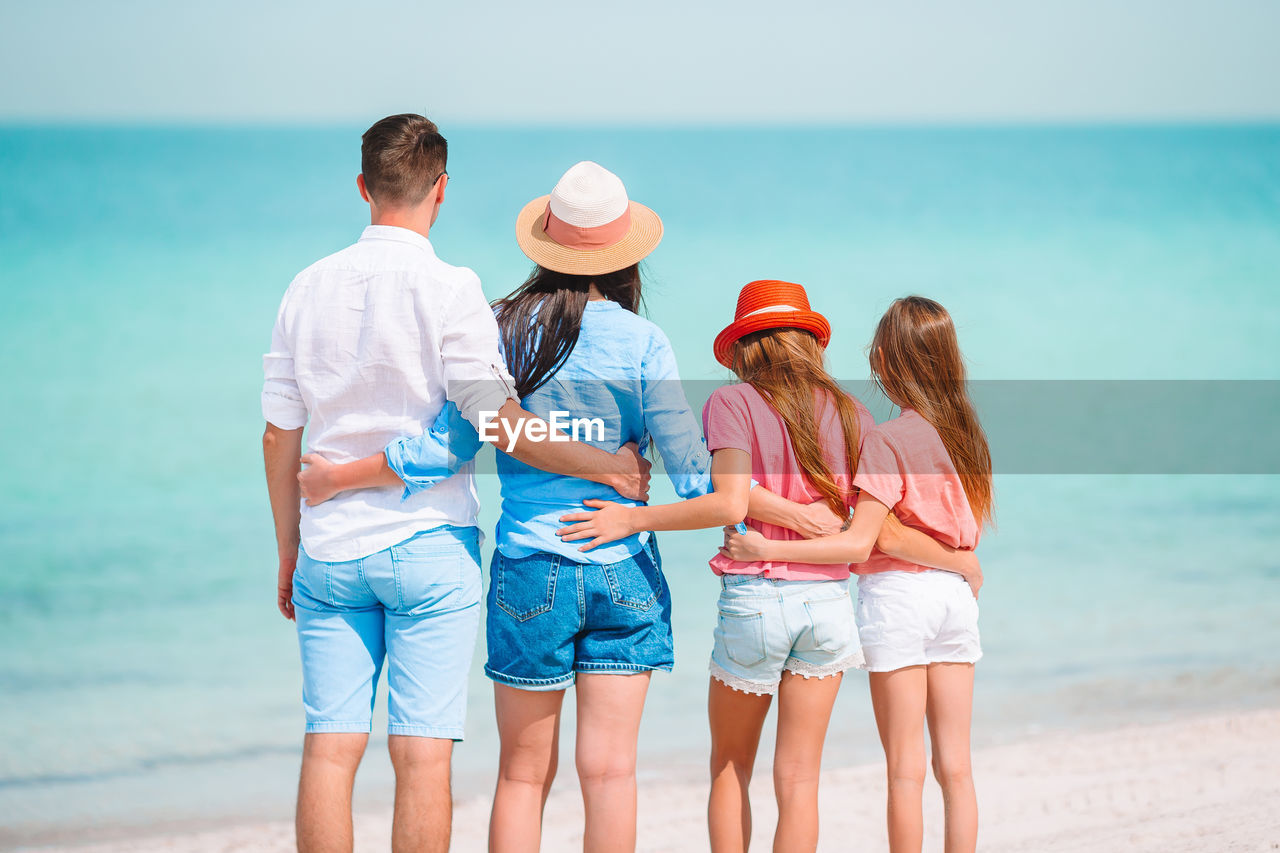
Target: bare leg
x,y
898,699
609,709
736,719
529,730
950,710
804,710
329,763
423,819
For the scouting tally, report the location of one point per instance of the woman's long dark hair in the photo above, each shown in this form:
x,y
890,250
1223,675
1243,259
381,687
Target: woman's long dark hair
x,y
541,320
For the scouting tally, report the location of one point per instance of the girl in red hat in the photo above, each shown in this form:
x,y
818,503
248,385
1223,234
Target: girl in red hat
x,y
786,625
931,467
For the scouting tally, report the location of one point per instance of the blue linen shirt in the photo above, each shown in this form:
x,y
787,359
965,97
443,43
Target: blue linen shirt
x,y
623,371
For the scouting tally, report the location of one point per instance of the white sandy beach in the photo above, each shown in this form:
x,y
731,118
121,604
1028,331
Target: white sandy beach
x,y
1206,785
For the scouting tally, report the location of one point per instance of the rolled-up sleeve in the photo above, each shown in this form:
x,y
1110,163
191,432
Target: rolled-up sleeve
x,y
671,422
476,377
423,460
282,404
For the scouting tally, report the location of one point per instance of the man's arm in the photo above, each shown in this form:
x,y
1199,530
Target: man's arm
x,y
626,471
418,463
478,383
281,449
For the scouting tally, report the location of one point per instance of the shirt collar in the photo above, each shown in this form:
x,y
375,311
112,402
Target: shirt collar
x,y
396,234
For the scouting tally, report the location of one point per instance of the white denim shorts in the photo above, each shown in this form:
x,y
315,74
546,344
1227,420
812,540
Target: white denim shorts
x,y
768,626
917,618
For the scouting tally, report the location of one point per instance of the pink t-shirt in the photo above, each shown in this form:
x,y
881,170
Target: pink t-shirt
x,y
905,466
737,416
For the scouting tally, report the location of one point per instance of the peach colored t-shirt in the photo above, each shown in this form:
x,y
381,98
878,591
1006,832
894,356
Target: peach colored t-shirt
x,y
737,416
906,467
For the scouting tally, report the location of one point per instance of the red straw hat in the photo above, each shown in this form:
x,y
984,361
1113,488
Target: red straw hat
x,y
770,305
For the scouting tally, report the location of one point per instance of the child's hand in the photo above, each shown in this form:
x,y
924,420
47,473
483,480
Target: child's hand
x,y
609,523
972,572
818,520
317,479
744,547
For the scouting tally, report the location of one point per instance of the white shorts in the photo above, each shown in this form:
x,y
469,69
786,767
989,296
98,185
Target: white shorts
x,y
917,618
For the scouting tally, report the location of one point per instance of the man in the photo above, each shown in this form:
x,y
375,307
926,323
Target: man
x,y
368,345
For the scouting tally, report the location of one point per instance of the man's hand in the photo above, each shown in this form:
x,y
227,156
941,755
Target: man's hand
x,y
611,522
316,480
817,519
632,480
280,451
746,547
284,585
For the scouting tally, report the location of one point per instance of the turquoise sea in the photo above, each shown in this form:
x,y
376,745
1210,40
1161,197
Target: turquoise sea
x,y
146,679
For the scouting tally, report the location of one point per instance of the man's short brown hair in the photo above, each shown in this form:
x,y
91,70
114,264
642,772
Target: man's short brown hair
x,y
402,157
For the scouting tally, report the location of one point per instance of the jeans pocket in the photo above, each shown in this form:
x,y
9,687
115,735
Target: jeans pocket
x,y
743,637
635,582
525,587
438,558
312,580
831,624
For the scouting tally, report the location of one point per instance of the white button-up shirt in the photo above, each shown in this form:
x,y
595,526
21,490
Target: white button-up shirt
x,y
368,345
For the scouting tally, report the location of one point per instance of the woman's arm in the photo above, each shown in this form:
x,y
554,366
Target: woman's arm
x,y
809,520
676,432
417,463
421,461
852,545
727,504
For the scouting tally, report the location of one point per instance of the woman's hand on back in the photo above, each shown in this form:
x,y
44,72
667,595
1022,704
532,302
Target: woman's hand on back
x,y
609,523
317,479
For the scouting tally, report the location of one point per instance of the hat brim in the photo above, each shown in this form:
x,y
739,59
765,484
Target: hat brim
x,y
809,321
642,238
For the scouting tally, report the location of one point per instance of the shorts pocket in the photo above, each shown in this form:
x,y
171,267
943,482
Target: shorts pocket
x,y
635,582
526,587
313,580
831,624
743,636
434,558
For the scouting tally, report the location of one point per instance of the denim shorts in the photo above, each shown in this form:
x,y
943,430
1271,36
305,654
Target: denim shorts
x,y
766,626
418,605
550,617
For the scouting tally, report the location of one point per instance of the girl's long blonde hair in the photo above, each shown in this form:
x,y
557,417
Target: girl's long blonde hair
x,y
915,358
785,366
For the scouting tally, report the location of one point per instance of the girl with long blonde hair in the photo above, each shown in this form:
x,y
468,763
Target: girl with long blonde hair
x,y
931,467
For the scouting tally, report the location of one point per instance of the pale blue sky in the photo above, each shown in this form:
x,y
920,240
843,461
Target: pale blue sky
x,y
655,62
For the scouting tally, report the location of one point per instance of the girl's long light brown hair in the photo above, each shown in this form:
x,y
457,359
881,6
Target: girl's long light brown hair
x,y
785,366
915,358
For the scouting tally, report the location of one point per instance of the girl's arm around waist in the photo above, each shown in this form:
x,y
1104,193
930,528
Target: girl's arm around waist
x,y
872,527
726,504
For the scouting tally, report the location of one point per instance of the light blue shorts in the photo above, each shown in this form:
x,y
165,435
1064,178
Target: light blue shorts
x,y
417,604
769,626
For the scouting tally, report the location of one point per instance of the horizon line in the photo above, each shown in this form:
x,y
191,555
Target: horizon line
x,y
993,123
